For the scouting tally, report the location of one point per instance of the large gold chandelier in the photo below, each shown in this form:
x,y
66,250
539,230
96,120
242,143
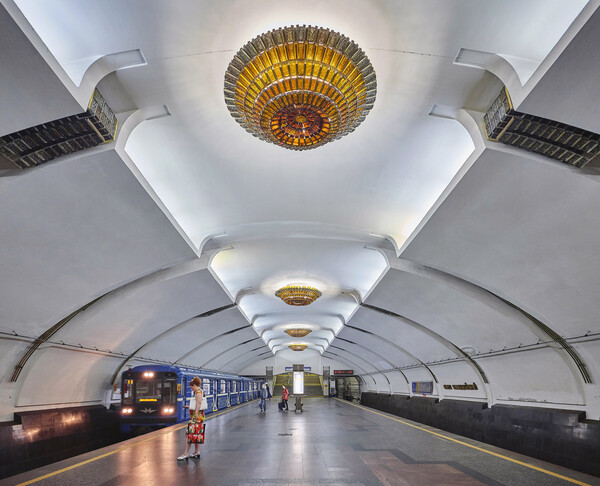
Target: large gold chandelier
x,y
300,87
298,333
298,294
298,347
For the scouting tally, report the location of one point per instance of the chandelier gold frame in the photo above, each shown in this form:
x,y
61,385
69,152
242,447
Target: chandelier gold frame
x,y
298,347
298,294
300,87
298,333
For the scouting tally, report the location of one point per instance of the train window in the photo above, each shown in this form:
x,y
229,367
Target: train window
x,y
234,383
148,390
206,387
222,388
170,390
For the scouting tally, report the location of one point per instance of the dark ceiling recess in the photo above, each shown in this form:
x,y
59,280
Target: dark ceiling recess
x,y
40,144
552,139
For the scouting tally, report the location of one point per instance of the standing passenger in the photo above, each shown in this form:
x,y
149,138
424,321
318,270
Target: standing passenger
x,y
285,394
195,429
264,394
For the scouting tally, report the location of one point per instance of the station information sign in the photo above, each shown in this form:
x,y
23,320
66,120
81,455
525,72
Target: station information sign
x,y
343,372
298,388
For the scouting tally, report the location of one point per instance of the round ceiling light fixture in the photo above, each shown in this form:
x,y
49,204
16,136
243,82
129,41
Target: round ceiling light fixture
x,y
298,333
300,87
298,294
298,347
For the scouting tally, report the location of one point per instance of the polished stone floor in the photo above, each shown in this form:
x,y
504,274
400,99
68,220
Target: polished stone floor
x,y
332,442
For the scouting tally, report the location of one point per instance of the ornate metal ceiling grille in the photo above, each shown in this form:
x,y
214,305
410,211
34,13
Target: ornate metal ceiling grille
x,y
559,141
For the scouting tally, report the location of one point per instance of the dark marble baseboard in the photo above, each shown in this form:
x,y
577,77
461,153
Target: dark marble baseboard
x,y
562,437
41,437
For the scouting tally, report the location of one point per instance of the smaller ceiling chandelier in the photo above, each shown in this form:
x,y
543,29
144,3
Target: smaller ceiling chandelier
x,y
298,294
298,347
298,333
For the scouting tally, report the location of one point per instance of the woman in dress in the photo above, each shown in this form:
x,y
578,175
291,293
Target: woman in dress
x,y
195,429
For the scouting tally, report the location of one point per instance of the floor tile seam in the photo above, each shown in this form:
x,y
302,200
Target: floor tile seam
x,y
456,441
159,434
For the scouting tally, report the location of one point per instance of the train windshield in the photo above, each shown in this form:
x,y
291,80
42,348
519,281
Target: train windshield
x,y
148,390
156,390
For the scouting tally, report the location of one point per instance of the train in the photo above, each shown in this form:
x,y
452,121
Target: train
x,y
155,396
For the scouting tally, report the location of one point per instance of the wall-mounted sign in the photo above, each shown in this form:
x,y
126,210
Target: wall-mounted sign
x,y
291,368
466,386
343,372
422,386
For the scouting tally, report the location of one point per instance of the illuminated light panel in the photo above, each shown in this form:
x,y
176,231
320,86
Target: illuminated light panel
x,y
300,87
298,333
298,347
298,294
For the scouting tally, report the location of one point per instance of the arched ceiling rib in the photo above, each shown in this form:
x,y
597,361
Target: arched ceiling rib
x,y
437,337
349,329
489,298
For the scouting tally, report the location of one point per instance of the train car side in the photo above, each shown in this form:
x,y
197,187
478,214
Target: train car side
x,y
158,396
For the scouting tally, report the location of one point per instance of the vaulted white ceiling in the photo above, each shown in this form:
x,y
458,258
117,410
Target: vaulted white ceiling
x,y
195,186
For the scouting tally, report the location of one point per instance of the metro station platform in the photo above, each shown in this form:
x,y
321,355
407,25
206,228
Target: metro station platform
x,y
332,442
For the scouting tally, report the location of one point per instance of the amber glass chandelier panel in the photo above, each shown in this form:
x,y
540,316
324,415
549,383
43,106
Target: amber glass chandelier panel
x,y
300,87
298,347
298,294
298,333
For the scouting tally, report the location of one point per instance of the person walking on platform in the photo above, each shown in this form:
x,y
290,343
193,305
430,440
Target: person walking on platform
x,y
195,429
264,395
285,395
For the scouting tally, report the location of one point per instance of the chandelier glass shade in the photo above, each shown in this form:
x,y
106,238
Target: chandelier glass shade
x,y
298,333
298,347
300,87
298,294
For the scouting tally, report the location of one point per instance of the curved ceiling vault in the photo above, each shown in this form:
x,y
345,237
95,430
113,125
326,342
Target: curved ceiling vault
x,y
437,254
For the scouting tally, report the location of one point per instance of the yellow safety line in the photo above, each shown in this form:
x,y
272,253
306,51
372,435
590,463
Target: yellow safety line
x,y
169,430
531,466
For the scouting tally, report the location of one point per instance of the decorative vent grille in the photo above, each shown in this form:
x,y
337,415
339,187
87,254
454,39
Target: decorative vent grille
x,y
552,139
40,144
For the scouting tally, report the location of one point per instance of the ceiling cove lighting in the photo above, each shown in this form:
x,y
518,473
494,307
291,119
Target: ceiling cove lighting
x,y
300,87
298,347
298,333
298,294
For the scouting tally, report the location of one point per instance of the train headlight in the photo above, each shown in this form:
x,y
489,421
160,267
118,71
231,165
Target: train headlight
x,y
127,410
148,374
168,410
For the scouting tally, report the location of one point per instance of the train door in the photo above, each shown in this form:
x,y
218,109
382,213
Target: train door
x,y
213,392
222,395
181,401
235,392
207,394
